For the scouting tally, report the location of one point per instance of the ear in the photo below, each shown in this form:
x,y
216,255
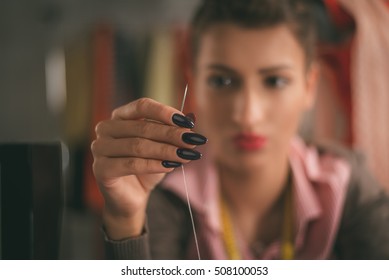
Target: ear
x,y
312,77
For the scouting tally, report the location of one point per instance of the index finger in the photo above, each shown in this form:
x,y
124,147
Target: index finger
x,y
147,108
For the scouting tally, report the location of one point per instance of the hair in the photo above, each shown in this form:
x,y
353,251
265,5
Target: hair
x,y
296,14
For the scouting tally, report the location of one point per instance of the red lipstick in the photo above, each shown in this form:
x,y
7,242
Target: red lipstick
x,y
249,141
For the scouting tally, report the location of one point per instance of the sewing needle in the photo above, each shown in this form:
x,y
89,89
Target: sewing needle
x,y
184,98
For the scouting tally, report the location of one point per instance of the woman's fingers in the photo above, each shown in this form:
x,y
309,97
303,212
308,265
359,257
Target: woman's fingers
x,y
108,168
181,137
143,138
140,128
142,148
146,108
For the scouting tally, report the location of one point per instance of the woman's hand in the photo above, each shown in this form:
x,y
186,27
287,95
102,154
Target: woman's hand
x,y
132,152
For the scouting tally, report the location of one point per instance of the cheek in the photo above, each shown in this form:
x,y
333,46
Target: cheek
x,y
211,111
289,112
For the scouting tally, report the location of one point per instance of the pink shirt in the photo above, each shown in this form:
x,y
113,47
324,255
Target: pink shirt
x,y
320,185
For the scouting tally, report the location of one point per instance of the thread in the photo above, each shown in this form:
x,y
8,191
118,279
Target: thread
x,y
186,187
190,213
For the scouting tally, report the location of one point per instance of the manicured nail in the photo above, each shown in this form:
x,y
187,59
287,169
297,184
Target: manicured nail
x,y
182,121
194,138
188,154
171,164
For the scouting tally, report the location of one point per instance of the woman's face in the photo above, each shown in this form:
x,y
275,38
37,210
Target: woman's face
x,y
251,87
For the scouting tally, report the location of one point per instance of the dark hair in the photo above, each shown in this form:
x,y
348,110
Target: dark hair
x,y
296,14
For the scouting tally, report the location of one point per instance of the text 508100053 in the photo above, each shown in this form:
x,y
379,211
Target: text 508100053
x,y
241,270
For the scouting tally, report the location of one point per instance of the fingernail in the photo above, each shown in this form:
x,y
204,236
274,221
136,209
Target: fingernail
x,y
188,154
182,121
171,164
194,138
191,116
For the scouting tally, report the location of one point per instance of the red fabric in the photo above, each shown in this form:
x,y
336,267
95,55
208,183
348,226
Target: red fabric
x,y
370,86
102,100
340,17
338,59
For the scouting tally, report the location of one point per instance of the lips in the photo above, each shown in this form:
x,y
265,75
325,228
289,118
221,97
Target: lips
x,y
249,141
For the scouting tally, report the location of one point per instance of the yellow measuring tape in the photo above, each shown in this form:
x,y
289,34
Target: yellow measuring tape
x,y
228,233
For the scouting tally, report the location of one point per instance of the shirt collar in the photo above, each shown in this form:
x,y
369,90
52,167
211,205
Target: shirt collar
x,y
305,166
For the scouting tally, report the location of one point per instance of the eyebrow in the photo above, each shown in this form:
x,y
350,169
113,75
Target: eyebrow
x,y
221,67
265,70
275,68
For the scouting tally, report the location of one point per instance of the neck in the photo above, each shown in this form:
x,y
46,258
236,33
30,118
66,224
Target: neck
x,y
253,196
258,188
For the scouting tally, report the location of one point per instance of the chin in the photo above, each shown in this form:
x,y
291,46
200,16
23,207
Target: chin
x,y
244,162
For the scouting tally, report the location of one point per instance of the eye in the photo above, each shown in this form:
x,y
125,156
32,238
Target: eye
x,y
219,81
276,82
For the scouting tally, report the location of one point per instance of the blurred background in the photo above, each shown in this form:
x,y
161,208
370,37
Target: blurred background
x,y
65,64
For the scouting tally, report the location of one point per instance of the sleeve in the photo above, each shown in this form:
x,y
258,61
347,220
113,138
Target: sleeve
x,y
364,229
169,225
128,249
165,235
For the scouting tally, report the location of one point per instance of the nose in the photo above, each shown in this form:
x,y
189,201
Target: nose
x,y
249,107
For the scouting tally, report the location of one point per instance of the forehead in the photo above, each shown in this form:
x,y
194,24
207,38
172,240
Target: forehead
x,y
241,47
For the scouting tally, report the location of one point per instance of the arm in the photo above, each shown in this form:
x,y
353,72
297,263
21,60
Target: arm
x,y
132,153
165,235
169,224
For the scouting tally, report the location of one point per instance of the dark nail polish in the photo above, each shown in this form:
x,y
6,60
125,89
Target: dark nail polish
x,y
171,164
182,121
188,154
194,138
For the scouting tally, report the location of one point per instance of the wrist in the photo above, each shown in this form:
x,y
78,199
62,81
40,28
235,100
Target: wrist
x,y
123,227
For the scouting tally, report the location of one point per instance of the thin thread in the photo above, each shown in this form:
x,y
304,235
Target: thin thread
x,y
186,186
190,213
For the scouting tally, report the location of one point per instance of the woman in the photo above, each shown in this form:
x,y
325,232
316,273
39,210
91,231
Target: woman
x,y
259,191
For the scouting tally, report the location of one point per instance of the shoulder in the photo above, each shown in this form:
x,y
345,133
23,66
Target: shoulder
x,y
362,186
365,219
364,224
335,149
